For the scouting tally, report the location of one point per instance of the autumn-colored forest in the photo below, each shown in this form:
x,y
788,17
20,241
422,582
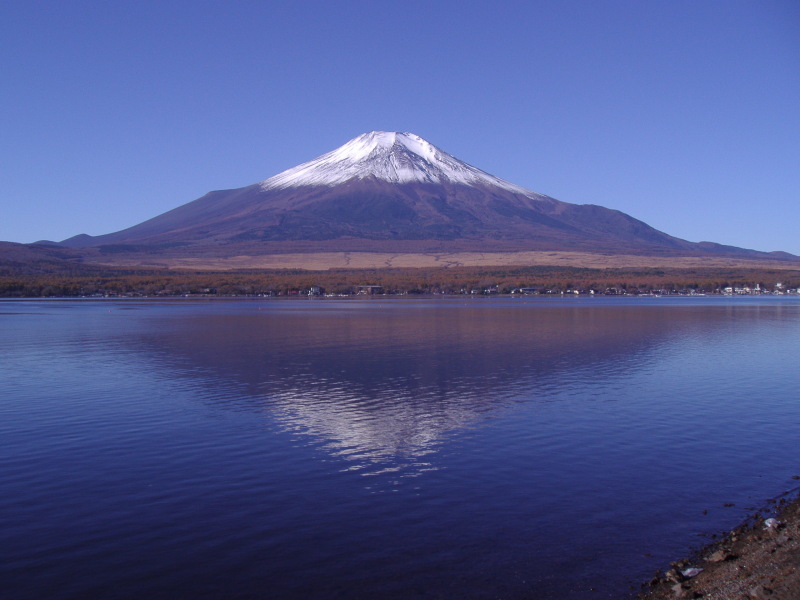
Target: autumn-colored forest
x,y
86,280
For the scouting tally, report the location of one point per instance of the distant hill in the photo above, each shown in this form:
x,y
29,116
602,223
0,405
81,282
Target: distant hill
x,y
37,258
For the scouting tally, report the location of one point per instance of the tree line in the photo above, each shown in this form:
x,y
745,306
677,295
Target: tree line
x,y
99,281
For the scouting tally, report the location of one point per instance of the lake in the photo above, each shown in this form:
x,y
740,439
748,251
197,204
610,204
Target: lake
x,y
385,448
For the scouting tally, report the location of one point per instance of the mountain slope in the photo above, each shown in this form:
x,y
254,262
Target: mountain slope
x,y
393,192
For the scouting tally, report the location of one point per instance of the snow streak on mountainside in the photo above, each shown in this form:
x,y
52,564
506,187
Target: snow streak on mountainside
x,y
388,156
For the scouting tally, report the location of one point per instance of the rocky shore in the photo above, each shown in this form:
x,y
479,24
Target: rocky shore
x,y
758,560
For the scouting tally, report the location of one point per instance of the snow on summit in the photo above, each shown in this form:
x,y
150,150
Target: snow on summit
x,y
390,156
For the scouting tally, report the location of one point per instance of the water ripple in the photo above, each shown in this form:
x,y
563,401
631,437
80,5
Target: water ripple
x,y
434,449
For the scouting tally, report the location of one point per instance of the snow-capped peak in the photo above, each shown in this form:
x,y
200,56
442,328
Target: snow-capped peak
x,y
390,156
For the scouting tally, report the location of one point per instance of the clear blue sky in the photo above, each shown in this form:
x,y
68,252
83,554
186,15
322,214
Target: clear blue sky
x,y
685,114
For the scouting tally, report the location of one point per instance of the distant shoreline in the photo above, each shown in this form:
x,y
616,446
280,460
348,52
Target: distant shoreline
x,y
87,280
376,297
36,271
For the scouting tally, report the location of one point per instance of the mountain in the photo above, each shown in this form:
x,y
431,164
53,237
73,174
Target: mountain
x,y
390,192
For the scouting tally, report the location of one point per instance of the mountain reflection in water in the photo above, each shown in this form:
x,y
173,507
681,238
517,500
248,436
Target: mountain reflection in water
x,y
380,383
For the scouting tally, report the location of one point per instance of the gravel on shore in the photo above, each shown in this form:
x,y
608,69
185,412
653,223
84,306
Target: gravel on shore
x,y
759,560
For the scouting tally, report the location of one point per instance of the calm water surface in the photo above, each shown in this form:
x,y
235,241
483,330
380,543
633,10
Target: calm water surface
x,y
453,448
